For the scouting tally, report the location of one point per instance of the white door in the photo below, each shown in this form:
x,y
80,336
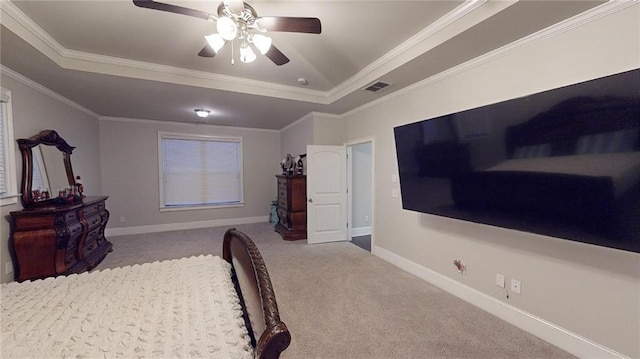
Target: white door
x,y
326,194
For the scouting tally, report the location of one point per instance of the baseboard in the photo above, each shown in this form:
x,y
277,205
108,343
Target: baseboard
x,y
558,336
360,231
123,231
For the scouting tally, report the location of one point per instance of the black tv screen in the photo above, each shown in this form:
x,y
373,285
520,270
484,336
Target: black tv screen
x,y
563,163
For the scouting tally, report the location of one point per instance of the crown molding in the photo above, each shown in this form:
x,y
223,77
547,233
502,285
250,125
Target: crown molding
x,y
33,34
36,86
310,116
408,50
28,30
183,124
15,20
608,8
110,65
19,23
304,118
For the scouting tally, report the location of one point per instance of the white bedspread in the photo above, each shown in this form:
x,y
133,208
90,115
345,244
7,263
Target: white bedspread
x,y
180,308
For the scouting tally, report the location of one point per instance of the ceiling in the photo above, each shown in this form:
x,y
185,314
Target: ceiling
x,y
119,60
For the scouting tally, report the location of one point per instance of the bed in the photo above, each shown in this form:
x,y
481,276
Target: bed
x,y
579,161
203,306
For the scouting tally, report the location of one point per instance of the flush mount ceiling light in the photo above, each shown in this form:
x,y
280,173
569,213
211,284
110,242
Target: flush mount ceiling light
x,y
202,113
237,20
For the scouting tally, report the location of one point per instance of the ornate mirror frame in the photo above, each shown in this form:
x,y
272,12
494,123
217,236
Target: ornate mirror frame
x,y
49,138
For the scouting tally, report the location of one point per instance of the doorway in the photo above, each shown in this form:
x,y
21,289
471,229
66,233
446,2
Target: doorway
x,y
360,169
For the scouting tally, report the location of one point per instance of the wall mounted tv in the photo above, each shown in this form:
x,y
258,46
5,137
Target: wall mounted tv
x,y
563,163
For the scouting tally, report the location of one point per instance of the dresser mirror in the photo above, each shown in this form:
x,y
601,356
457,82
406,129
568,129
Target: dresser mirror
x,y
46,170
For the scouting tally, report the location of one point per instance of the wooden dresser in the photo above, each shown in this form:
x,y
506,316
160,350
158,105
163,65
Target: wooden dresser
x,y
292,207
59,239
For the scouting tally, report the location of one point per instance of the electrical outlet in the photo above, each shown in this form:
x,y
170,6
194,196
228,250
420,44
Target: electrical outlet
x,y
516,286
8,267
499,280
366,219
395,193
122,219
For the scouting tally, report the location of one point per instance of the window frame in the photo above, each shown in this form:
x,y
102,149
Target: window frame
x,y
212,138
12,195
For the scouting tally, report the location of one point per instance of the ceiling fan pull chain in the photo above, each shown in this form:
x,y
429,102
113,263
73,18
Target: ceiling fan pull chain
x,y
232,55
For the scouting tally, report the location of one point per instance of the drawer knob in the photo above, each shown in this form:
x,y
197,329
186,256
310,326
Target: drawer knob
x,y
310,200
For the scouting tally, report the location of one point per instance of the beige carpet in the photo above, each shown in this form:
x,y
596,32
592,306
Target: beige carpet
x,y
340,301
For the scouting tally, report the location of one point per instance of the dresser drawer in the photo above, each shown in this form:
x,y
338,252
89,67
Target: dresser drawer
x,y
282,183
282,191
73,243
67,234
93,209
75,230
67,218
71,255
282,200
94,221
91,243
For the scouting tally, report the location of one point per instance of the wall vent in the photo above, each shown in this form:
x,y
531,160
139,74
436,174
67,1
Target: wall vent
x,y
377,86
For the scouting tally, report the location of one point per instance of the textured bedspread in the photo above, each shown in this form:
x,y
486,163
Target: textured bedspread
x,y
180,308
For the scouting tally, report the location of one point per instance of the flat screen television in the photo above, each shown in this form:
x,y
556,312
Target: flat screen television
x,y
563,163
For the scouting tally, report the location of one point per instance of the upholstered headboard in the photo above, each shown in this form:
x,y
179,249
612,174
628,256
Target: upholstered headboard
x,y
269,334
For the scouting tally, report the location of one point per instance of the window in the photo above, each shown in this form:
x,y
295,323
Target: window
x,y
8,191
199,171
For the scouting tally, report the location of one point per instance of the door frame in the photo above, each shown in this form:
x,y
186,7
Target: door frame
x,y
349,145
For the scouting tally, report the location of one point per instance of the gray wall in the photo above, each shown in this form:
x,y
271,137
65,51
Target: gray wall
x,y
328,129
129,162
589,290
312,129
36,109
296,137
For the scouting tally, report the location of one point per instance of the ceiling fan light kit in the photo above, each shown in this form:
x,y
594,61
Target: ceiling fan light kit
x,y
246,54
215,41
262,43
227,28
237,20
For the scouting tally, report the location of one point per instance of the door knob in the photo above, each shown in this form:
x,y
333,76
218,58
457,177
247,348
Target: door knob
x,y
310,200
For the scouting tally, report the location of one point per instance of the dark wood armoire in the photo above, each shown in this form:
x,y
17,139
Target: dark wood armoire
x,y
292,207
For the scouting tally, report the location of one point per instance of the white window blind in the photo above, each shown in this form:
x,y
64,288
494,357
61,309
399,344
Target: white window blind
x,y
3,152
8,189
200,171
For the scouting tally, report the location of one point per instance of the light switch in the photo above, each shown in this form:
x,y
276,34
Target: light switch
x,y
394,193
394,178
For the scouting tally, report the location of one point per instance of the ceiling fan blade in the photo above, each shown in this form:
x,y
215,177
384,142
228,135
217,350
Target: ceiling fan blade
x,y
236,6
309,25
276,56
207,51
151,4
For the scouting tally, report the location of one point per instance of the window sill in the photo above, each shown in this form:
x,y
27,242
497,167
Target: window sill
x,y
9,200
198,207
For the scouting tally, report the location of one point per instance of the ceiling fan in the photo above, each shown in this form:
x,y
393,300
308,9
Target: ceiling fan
x,y
237,20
